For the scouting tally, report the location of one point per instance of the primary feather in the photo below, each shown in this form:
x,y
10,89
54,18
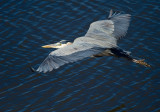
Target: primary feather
x,y
115,26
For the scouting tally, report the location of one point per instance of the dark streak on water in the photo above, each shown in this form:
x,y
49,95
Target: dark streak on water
x,y
93,85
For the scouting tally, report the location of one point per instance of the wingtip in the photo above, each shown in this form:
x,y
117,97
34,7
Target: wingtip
x,y
110,13
32,69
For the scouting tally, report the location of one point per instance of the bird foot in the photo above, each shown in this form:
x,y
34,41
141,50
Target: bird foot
x,y
141,62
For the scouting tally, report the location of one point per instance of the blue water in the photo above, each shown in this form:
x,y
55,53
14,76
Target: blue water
x,y
104,84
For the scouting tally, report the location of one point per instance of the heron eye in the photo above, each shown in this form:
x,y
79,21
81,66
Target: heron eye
x,y
59,44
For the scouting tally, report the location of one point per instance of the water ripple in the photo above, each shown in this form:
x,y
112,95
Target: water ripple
x,y
104,84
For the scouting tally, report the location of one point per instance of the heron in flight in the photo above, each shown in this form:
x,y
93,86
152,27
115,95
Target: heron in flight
x,y
100,40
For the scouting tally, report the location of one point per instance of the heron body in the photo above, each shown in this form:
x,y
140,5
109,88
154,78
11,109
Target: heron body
x,y
100,40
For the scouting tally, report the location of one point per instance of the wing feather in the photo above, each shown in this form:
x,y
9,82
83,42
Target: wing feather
x,y
58,58
115,26
121,24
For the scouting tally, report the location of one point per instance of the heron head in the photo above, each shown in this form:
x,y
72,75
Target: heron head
x,y
60,44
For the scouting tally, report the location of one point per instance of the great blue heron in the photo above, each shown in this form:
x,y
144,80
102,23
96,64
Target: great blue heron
x,y
100,40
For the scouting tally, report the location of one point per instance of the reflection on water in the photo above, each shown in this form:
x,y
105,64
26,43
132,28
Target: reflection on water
x,y
91,85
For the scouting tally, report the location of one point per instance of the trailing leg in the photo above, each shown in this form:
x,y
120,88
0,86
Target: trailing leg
x,y
117,52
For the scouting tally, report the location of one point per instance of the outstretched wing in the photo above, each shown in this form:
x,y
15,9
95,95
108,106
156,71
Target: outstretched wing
x,y
116,26
70,53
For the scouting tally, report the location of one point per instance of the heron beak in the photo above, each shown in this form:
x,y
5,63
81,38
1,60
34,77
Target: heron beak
x,y
57,45
50,46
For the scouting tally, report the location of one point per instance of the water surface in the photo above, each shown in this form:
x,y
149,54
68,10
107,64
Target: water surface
x,y
105,84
